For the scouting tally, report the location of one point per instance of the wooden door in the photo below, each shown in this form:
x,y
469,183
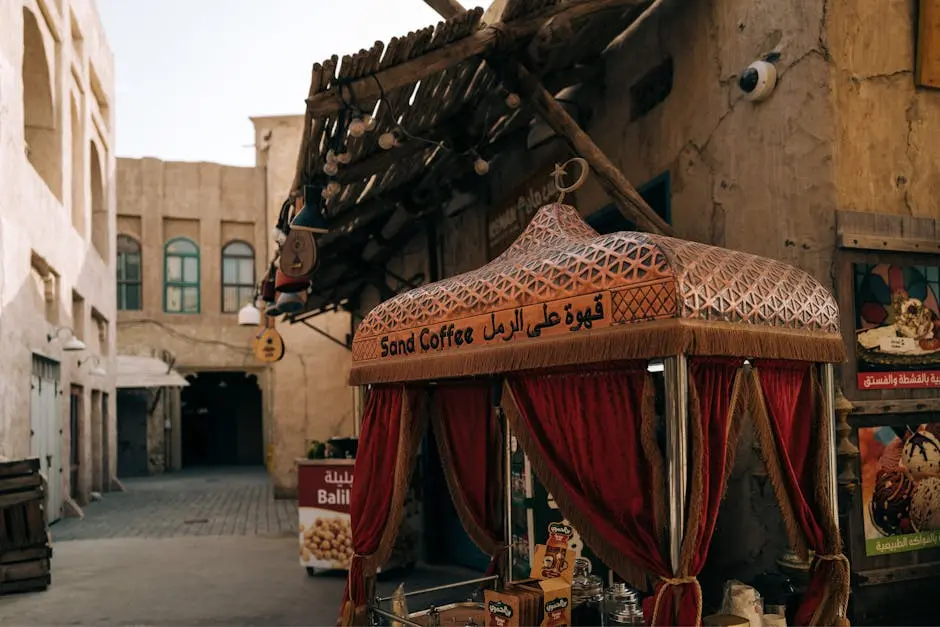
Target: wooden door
x,y
132,433
45,432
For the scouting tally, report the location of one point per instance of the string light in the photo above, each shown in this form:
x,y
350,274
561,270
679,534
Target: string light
x,y
344,158
481,166
357,128
387,141
332,188
513,101
330,169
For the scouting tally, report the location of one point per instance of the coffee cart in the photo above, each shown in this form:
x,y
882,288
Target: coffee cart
x,y
579,347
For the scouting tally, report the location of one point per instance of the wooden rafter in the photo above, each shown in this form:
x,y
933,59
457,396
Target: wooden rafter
x,y
627,199
369,88
447,9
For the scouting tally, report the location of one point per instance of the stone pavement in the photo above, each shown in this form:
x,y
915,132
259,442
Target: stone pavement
x,y
138,559
214,502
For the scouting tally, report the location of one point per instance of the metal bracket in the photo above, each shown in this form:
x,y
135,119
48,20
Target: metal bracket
x,y
347,344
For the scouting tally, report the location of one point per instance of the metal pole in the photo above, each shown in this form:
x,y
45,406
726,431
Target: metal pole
x,y
829,390
401,619
446,586
508,479
677,417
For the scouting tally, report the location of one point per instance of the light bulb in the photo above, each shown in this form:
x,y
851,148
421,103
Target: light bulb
x,y
331,190
331,157
480,166
357,128
343,158
330,169
387,141
513,101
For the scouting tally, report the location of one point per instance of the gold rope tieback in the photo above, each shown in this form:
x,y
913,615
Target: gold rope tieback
x,y
675,582
842,599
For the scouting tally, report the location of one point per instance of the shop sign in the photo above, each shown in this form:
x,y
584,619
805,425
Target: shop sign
x,y
897,322
507,219
549,319
323,492
900,487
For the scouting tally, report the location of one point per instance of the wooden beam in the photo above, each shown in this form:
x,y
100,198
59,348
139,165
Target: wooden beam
x,y
628,200
366,89
893,244
447,9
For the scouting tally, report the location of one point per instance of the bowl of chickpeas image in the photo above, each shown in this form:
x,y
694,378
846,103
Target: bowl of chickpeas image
x,y
326,542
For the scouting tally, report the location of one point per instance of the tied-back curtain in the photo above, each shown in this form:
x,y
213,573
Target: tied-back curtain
x,y
470,442
715,394
584,434
792,424
391,430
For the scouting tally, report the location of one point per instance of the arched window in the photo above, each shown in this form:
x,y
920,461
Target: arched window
x,y
181,276
238,276
128,274
42,132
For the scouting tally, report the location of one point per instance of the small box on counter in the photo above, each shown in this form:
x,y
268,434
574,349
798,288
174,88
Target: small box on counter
x,y
554,601
502,609
554,559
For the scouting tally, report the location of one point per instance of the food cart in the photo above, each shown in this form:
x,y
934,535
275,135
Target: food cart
x,y
567,343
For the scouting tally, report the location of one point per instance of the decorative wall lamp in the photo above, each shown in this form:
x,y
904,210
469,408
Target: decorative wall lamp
x,y
96,369
310,217
250,315
72,344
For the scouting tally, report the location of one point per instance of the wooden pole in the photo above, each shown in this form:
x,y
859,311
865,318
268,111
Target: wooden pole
x,y
366,89
446,8
628,200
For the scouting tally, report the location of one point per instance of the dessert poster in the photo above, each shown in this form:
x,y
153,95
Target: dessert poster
x,y
897,322
900,487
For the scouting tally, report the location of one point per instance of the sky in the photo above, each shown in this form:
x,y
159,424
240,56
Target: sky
x,y
189,73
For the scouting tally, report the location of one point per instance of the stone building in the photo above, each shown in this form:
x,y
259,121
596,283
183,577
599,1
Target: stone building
x,y
833,168
192,243
57,310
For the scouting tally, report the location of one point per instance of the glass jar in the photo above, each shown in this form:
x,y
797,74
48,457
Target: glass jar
x,y
587,595
622,606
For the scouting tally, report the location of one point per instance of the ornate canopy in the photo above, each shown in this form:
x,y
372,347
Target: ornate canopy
x,y
564,295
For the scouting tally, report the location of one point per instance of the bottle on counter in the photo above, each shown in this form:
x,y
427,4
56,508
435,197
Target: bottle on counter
x,y
622,606
587,595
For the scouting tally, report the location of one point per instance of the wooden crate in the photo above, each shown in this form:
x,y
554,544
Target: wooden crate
x,y
25,550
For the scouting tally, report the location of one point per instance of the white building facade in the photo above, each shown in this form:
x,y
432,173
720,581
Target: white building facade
x,y
57,246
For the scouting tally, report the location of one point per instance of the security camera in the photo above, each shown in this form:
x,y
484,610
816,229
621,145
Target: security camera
x,y
758,80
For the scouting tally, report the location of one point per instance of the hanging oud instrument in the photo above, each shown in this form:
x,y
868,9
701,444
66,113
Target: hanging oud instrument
x,y
268,346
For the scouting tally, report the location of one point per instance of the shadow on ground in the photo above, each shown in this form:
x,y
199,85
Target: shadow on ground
x,y
135,560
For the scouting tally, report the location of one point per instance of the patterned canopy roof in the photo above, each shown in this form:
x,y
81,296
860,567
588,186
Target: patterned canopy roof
x,y
696,299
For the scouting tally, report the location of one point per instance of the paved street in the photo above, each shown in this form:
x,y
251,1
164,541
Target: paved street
x,y
195,548
223,502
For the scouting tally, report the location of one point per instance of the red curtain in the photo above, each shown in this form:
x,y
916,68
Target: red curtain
x,y
714,394
469,439
373,488
798,427
582,433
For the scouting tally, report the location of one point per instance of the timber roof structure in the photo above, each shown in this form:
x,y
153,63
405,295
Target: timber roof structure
x,y
443,92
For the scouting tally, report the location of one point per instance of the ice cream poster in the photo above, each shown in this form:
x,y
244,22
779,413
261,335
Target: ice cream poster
x,y
897,322
900,487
